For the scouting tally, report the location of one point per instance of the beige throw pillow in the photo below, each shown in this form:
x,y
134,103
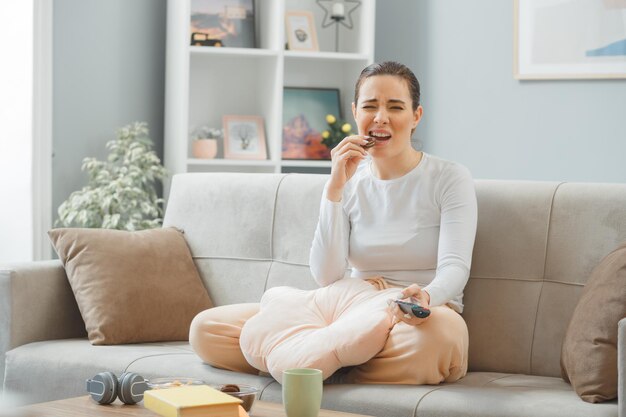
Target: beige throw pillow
x,y
132,287
589,352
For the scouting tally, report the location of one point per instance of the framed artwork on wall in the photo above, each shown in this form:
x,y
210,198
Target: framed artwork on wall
x,y
569,39
300,29
304,120
222,23
244,137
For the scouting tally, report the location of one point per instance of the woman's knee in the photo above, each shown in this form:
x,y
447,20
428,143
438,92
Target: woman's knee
x,y
202,329
447,328
214,334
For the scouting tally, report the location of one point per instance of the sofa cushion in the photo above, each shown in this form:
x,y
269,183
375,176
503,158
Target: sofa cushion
x,y
478,394
589,351
509,396
44,371
127,284
343,324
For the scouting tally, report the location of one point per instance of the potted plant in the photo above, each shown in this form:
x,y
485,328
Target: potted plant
x,y
204,142
121,192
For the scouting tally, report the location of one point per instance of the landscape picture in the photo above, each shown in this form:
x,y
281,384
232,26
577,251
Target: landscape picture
x,y
304,120
228,23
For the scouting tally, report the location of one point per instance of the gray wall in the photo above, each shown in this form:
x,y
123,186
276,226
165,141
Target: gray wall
x,y
476,113
108,71
109,68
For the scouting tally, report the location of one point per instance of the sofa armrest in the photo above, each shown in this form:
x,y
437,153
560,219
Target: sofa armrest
x,y
621,367
36,303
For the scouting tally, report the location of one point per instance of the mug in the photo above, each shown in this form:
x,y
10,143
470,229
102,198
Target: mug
x,y
302,392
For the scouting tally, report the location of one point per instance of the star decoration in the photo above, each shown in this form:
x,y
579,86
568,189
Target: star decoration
x,y
327,5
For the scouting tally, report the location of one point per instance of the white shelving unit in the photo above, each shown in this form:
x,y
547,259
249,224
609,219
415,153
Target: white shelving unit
x,y
205,83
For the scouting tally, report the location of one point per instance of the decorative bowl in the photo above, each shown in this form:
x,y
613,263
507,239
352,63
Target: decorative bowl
x,y
246,393
160,383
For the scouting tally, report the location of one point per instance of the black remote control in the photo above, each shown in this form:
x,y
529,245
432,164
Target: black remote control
x,y
412,308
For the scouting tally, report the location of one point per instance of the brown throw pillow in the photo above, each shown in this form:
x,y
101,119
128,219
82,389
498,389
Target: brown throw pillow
x,y
589,352
132,287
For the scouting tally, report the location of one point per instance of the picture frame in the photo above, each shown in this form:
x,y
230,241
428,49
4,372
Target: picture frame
x,y
549,43
244,137
304,120
300,30
216,23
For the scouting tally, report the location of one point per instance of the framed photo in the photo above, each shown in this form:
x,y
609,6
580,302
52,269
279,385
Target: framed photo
x,y
244,137
304,120
301,35
222,23
569,39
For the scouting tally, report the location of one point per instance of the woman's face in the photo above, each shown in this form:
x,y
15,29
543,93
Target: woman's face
x,y
385,111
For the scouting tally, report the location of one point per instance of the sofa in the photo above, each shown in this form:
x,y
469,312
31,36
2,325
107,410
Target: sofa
x,y
536,245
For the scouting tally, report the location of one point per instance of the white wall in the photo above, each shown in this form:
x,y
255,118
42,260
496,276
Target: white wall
x,y
476,113
16,80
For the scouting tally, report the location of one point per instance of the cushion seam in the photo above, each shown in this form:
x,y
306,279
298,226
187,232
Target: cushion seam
x,y
236,258
545,260
577,284
497,379
280,181
267,276
154,355
444,386
174,347
424,396
515,386
266,387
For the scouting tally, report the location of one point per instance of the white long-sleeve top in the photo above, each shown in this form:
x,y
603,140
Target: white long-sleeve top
x,y
418,228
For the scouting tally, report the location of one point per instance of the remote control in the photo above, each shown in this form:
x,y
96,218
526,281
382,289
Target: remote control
x,y
412,308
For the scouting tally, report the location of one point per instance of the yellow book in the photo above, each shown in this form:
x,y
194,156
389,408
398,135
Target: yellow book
x,y
191,401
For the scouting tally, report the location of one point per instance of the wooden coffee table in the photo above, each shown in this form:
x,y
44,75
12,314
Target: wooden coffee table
x,y
85,406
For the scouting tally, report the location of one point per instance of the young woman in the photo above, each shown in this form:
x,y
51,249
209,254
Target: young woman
x,y
400,218
403,218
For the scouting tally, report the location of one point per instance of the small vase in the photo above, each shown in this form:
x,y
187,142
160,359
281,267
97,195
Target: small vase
x,y
204,148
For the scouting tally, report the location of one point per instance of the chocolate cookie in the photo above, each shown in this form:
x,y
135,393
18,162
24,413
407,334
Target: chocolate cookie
x,y
370,142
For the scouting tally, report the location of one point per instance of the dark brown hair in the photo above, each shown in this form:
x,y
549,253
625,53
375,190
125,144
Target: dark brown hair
x,y
391,68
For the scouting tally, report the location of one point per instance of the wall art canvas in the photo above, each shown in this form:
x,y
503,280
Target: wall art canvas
x,y
304,120
560,39
222,23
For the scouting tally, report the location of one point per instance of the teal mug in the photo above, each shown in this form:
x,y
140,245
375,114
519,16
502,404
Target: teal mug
x,y
302,392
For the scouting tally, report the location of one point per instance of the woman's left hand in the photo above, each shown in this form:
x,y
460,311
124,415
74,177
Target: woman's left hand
x,y
420,296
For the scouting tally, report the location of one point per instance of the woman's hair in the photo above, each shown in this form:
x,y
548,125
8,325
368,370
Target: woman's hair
x,y
391,68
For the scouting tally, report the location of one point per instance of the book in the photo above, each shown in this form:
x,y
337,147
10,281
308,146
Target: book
x,y
191,401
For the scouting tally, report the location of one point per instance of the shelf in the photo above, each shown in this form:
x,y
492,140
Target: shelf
x,y
326,56
208,50
317,56
306,164
231,162
205,83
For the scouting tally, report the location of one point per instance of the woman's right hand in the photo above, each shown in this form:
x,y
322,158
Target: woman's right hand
x,y
346,157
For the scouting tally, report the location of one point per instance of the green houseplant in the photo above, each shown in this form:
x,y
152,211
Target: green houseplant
x,y
121,192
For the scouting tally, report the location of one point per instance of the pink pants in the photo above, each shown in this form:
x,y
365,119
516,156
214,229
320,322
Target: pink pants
x,y
432,352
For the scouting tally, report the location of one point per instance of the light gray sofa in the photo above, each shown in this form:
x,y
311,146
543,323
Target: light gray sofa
x,y
536,245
